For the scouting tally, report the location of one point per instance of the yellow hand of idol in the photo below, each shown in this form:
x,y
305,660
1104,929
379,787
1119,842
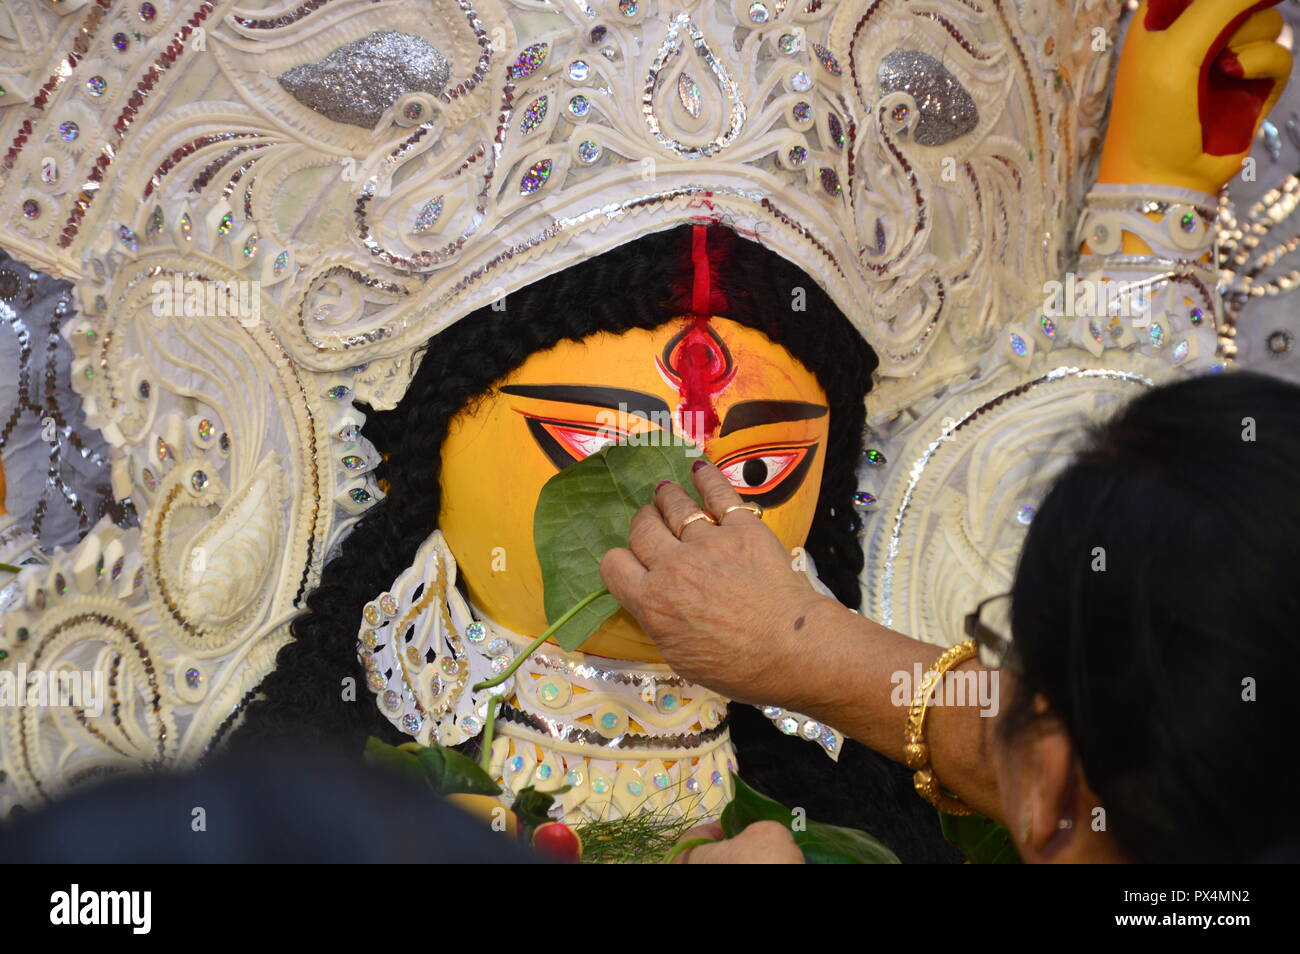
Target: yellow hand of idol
x,y
1195,80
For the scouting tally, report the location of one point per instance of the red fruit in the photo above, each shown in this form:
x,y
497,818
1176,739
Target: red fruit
x,y
559,842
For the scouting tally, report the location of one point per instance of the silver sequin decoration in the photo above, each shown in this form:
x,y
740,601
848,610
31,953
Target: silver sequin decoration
x,y
949,430
360,80
945,110
673,45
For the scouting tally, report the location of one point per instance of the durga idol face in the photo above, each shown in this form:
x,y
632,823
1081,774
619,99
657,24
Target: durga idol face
x,y
757,413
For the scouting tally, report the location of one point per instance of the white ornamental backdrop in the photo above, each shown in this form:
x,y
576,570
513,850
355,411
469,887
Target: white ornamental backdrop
x,y
266,209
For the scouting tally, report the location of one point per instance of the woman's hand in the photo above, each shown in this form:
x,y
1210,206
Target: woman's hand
x,y
728,611
762,843
1195,79
723,603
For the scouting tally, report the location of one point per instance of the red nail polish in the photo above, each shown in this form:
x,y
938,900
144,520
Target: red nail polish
x,y
660,486
698,464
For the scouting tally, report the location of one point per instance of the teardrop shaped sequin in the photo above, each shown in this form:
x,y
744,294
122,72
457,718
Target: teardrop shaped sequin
x,y
829,63
688,91
428,215
535,177
836,129
830,183
534,114
529,61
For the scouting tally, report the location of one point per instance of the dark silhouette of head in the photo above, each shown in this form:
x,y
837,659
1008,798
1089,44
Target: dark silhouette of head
x,y
1174,669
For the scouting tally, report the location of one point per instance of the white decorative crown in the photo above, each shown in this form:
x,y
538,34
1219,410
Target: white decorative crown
x,y
384,168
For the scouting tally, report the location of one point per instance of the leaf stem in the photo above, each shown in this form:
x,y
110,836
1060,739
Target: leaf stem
x,y
536,643
489,729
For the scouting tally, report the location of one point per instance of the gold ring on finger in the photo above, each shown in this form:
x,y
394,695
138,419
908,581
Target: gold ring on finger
x,y
698,515
752,507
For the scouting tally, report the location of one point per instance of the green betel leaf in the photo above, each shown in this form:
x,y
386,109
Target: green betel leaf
x,y
392,759
832,845
532,807
820,844
982,840
451,773
584,511
748,806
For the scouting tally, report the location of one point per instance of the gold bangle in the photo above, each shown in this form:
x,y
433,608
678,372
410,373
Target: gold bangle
x,y
916,752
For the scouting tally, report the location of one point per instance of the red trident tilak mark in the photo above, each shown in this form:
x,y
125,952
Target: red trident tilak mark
x,y
696,361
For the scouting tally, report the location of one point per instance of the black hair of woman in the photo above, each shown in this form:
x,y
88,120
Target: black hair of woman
x,y
1155,610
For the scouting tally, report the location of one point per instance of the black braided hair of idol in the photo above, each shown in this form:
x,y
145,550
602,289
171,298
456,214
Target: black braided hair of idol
x,y
639,285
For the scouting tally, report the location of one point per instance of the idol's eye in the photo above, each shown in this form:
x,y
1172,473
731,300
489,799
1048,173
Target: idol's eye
x,y
768,475
759,473
566,442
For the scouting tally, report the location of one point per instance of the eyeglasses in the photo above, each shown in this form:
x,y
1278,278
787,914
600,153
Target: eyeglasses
x,y
986,624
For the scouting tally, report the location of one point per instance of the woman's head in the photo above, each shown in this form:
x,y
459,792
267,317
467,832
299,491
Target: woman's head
x,y
638,292
1154,615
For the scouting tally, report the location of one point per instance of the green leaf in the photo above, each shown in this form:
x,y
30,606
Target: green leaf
x,y
821,844
583,512
532,807
833,845
451,773
748,806
392,759
982,840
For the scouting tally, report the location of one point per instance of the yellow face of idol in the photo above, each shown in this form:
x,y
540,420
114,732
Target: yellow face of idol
x,y
760,415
